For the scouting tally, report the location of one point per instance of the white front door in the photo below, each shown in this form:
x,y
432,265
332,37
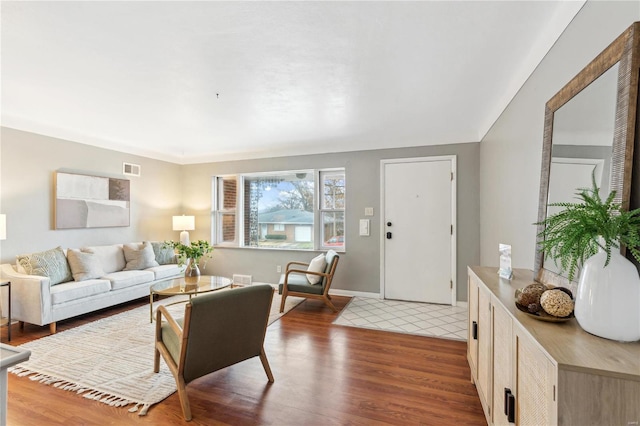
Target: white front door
x,y
418,227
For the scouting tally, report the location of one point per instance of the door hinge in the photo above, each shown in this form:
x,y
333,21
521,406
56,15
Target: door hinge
x,y
451,284
451,229
451,175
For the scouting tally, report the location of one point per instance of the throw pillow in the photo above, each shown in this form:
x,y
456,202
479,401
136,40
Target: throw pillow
x,y
317,264
165,255
51,263
140,257
84,266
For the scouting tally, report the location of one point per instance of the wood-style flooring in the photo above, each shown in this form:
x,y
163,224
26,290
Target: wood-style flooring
x,y
324,375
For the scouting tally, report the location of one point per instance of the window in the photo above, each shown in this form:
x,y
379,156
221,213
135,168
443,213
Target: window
x,y
225,209
332,200
301,210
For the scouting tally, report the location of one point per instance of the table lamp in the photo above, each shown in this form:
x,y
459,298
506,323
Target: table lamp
x,y
184,223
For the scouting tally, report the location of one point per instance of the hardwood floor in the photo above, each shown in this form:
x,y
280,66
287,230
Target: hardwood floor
x,y
324,375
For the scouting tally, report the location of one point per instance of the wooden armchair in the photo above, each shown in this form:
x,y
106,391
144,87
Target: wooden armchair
x,y
218,330
294,281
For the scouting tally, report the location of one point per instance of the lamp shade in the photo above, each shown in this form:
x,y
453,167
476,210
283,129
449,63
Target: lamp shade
x,y
184,223
3,227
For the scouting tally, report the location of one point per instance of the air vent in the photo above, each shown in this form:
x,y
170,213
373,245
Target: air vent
x,y
130,169
242,279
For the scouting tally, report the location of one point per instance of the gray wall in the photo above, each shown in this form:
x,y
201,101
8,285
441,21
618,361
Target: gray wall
x,y
511,153
359,268
28,163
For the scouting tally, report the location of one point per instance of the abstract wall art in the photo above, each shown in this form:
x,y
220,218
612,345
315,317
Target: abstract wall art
x,y
84,201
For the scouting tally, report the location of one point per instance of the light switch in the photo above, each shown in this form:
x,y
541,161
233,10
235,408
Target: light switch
x,y
368,211
364,227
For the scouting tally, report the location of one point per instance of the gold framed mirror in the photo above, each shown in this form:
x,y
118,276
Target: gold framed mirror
x,y
590,127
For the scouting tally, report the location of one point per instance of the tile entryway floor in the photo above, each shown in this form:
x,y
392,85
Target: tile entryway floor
x,y
449,322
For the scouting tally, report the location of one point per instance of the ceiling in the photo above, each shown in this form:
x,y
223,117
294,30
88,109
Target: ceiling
x,y
192,82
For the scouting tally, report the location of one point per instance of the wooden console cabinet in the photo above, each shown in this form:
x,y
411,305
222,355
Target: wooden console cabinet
x,y
531,372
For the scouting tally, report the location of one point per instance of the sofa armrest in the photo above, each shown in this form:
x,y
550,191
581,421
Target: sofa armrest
x,y
30,296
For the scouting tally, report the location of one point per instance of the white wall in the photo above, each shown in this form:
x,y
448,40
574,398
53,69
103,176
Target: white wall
x,y
359,267
28,163
27,169
511,152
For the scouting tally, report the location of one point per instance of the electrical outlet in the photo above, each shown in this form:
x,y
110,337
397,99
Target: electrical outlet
x,y
278,268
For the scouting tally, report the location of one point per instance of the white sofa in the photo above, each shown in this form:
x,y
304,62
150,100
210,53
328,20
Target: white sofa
x,y
58,284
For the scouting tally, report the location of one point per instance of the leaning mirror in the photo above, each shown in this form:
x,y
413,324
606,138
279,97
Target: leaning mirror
x,y
590,130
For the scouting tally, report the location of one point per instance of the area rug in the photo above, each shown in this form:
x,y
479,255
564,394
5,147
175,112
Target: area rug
x,y
423,319
111,360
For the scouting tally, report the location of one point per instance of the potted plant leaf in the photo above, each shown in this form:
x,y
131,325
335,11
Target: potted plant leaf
x,y
587,235
191,253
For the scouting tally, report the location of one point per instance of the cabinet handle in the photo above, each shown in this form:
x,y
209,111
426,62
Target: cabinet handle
x,y
474,330
509,405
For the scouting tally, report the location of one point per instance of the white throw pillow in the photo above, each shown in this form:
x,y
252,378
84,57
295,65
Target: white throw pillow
x,y
84,266
139,256
317,264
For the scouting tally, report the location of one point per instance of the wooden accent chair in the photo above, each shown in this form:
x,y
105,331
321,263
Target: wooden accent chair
x,y
294,281
218,330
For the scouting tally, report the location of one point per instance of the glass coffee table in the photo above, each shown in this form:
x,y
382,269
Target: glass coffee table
x,y
191,286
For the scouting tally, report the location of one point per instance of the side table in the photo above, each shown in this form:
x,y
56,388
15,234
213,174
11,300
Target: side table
x,y
8,285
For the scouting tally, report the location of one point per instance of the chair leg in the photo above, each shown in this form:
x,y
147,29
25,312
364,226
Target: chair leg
x,y
156,361
283,298
329,303
265,364
184,400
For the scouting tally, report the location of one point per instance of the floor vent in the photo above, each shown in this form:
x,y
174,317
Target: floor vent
x,y
242,279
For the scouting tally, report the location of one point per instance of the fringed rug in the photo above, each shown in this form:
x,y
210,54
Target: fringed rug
x,y
111,360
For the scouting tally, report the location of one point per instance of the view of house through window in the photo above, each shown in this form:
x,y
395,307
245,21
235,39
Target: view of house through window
x,y
287,210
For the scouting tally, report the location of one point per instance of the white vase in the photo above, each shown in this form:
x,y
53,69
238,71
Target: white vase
x,y
608,298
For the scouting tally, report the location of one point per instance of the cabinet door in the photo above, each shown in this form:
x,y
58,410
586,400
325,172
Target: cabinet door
x,y
535,383
484,346
472,326
502,362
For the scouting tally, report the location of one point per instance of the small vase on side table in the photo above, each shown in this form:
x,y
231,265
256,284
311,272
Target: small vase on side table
x,y
192,272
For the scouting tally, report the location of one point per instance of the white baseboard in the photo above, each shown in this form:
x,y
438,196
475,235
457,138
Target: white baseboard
x,y
350,293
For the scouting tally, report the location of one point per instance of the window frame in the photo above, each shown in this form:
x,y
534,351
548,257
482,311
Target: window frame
x,y
239,211
320,209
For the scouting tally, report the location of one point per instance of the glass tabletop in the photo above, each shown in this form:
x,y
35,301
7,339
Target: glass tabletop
x,y
192,285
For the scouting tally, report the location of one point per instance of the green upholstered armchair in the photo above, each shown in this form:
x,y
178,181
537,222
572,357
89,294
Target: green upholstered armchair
x,y
218,330
295,281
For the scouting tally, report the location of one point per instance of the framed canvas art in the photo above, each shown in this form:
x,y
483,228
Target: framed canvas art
x,y
84,201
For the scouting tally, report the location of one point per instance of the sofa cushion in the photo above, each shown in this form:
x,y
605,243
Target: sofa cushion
x,y
298,282
166,271
84,266
139,256
51,263
125,279
165,255
74,290
111,257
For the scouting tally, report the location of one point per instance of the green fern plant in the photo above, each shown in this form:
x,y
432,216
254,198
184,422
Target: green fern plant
x,y
574,234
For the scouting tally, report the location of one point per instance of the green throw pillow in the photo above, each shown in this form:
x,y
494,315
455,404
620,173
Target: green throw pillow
x,y
51,263
165,255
